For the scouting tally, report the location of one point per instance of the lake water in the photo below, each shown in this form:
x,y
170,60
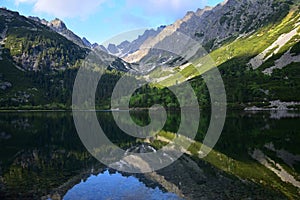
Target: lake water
x,y
257,156
115,186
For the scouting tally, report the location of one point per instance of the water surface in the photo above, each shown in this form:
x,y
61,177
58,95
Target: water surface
x,y
41,154
116,186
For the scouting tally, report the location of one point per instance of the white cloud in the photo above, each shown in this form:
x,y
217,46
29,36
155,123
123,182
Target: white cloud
x,y
173,8
135,13
17,2
64,8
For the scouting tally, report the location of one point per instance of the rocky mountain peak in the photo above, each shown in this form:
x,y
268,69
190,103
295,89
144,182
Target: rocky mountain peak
x,y
37,19
211,26
58,24
112,48
86,42
124,44
126,47
199,12
228,2
60,27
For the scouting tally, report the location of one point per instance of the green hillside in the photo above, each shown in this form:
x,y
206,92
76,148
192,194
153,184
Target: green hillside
x,y
38,67
245,86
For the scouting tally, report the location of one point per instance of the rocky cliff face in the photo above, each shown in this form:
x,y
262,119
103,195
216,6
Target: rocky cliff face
x,y
86,42
112,48
232,18
60,27
32,44
212,26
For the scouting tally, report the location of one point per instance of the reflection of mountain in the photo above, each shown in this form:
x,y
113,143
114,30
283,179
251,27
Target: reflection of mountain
x,y
255,45
44,155
43,152
103,186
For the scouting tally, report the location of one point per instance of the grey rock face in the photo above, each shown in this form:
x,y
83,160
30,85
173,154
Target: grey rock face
x,y
212,26
86,42
230,19
112,48
124,45
136,44
60,27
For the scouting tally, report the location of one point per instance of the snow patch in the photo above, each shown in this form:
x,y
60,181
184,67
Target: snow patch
x,y
273,49
282,62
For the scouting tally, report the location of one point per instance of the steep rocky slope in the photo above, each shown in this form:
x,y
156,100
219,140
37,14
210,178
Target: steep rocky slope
x,y
38,65
258,61
212,26
35,44
258,67
60,27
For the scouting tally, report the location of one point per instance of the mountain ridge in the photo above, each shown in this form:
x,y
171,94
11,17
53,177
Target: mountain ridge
x,y
225,19
28,45
60,27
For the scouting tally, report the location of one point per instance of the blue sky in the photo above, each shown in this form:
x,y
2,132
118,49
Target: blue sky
x,y
100,20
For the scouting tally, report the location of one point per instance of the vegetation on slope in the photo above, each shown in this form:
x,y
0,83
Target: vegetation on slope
x,y
244,86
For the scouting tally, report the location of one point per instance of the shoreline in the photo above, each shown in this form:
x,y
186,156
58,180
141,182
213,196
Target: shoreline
x,y
136,109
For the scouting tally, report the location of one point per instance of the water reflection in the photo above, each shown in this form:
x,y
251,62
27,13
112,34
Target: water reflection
x,y
114,187
41,152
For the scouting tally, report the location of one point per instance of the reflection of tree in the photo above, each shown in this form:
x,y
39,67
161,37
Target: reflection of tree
x,y
41,157
48,152
45,154
243,132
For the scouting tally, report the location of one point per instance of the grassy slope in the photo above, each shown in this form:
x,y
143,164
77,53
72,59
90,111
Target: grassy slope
x,y
243,84
231,59
26,37
245,47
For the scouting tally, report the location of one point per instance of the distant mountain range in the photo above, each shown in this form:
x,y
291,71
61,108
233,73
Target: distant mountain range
x,y
254,43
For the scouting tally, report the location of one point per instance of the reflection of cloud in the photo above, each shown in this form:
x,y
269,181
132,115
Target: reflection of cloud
x,y
64,8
